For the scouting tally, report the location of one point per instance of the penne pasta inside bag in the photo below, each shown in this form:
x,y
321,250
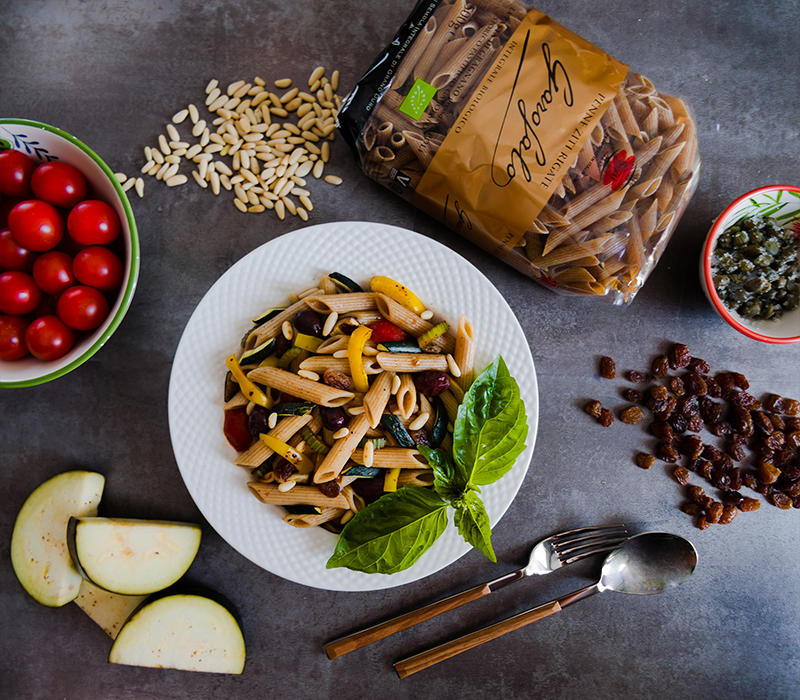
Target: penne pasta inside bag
x,y
528,141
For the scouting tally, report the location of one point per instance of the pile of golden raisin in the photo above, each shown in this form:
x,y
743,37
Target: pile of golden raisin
x,y
757,439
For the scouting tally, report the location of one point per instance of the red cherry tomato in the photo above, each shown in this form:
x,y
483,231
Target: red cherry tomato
x,y
82,308
385,330
235,429
12,338
98,267
53,272
93,222
18,293
12,255
36,225
59,184
49,338
16,170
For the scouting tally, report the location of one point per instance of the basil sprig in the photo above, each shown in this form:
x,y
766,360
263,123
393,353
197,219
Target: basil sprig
x,y
392,533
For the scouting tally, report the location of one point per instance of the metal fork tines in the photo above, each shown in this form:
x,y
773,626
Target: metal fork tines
x,y
571,546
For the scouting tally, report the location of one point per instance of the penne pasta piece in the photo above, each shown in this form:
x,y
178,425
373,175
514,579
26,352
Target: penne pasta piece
x,y
302,388
392,457
284,430
410,322
342,449
319,363
377,397
406,395
341,303
415,477
464,352
411,362
299,495
309,520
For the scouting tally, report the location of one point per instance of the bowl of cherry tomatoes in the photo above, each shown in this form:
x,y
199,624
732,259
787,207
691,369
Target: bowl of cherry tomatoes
x,y
69,253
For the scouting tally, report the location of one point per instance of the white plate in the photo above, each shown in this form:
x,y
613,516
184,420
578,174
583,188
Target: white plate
x,y
445,282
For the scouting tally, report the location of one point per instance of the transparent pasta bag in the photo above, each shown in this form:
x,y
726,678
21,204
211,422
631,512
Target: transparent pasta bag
x,y
529,141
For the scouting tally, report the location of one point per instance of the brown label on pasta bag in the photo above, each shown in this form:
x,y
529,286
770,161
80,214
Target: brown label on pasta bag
x,y
522,128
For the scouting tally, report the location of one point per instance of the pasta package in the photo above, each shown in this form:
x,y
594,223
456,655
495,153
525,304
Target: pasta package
x,y
528,141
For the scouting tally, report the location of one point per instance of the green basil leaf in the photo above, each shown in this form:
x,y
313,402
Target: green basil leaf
x,y
448,479
392,533
491,425
472,521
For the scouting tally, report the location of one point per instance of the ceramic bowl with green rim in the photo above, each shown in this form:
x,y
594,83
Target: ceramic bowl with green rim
x,y
750,274
42,144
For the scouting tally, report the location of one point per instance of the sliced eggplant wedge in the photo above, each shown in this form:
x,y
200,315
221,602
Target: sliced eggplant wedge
x,y
186,631
39,551
109,610
132,557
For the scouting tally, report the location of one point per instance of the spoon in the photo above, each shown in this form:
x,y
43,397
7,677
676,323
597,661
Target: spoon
x,y
646,564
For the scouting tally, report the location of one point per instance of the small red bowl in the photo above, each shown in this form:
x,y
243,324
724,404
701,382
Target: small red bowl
x,y
781,202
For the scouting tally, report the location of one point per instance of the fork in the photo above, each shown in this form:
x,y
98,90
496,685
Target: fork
x,y
548,555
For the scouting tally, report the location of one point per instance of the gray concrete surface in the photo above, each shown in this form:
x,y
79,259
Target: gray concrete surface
x,y
112,73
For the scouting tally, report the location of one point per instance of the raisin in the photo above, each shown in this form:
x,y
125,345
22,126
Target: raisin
x,y
732,498
606,417
729,512
721,429
748,504
791,407
714,512
711,453
677,386
726,384
762,422
775,441
777,421
691,406
644,460
608,368
775,403
742,398
766,472
667,452
736,479
742,420
692,446
668,408
632,395
636,376
660,366
781,500
679,422
713,387
696,493
699,366
783,457
431,382
682,475
659,392
792,424
632,416
692,509
336,379
695,423
329,488
740,380
680,356
694,384
715,412
750,481
593,408
421,437
662,430
793,439
702,523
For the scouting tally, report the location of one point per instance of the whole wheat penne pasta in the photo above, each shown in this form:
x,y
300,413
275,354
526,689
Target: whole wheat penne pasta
x,y
332,344
328,286
377,397
451,404
302,388
464,352
299,495
284,430
319,364
341,303
585,199
626,114
411,361
315,519
663,161
406,396
342,449
596,211
415,53
237,401
392,457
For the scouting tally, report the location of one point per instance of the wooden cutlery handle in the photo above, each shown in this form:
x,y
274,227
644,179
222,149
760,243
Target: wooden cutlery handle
x,y
433,656
373,634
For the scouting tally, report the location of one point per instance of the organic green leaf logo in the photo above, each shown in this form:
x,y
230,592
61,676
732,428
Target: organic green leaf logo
x,y
418,98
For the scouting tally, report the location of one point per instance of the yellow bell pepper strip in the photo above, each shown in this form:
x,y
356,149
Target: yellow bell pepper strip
x,y
355,351
395,290
390,479
298,459
250,390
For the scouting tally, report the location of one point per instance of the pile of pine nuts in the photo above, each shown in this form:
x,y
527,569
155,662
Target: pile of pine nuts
x,y
267,157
